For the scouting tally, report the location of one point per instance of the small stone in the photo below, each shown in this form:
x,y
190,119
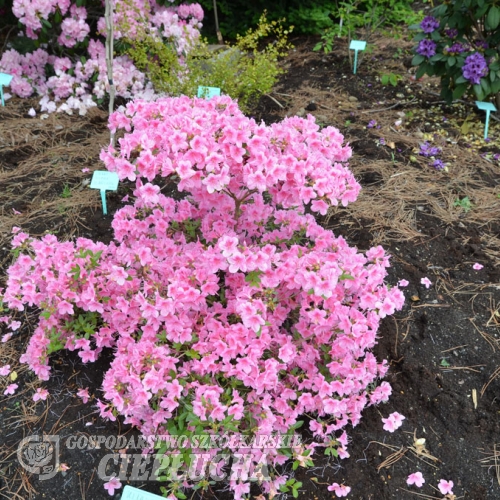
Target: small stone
x,y
301,112
352,99
400,96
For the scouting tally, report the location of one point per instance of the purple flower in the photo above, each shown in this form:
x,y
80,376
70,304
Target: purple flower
x,y
475,68
429,24
451,33
456,48
427,150
426,48
438,164
481,45
381,141
371,124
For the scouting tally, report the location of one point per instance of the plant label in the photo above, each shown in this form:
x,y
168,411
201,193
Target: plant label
x,y
104,181
357,45
488,107
5,79
208,92
131,493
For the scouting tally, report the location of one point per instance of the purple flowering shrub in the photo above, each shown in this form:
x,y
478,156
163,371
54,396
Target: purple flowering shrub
x,y
459,44
231,310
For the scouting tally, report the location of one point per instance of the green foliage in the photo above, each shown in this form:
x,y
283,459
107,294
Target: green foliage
x,y
66,192
367,15
465,203
390,78
242,71
476,22
291,486
310,17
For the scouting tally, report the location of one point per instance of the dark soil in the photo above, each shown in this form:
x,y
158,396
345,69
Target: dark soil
x,y
442,347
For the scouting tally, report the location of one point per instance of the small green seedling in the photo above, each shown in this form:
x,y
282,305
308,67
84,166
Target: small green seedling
x,y
390,78
66,192
444,363
464,203
291,486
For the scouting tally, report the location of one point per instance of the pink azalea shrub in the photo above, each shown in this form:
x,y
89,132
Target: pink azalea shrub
x,y
230,309
75,84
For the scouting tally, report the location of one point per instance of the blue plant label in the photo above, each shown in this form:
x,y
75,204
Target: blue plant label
x,y
208,92
104,180
131,493
357,45
486,106
5,79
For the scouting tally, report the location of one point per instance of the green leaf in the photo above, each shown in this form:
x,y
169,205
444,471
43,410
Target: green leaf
x,y
451,61
345,276
318,46
417,59
253,277
384,80
495,86
460,80
486,86
493,18
422,70
459,91
436,36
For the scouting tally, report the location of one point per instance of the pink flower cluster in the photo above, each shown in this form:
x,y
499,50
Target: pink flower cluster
x,y
230,301
76,84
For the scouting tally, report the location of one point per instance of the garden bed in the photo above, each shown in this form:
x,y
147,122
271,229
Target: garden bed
x,y
443,347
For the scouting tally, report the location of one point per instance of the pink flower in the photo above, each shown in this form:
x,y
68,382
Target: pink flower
x,y
14,325
426,281
40,394
32,112
393,422
445,486
85,170
83,394
5,370
477,266
340,490
112,485
11,389
403,283
416,478
6,337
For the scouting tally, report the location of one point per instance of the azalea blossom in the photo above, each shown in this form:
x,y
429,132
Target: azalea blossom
x,y
445,487
340,490
416,478
83,394
393,422
11,389
477,266
201,289
40,394
112,485
403,283
426,282
4,370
